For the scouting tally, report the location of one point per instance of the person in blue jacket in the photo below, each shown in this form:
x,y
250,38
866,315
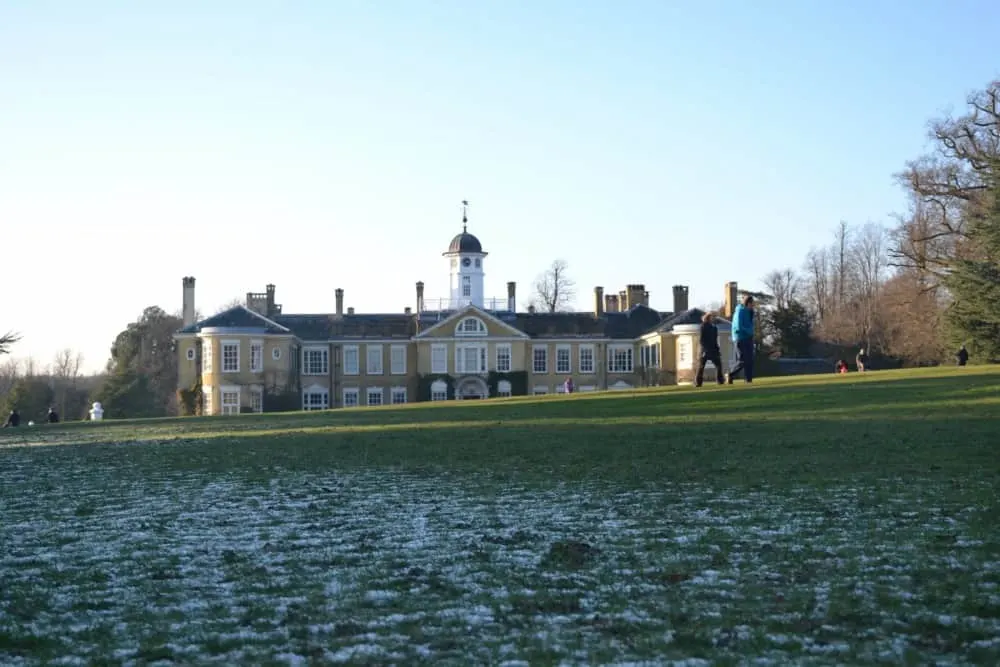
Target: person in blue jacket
x,y
742,332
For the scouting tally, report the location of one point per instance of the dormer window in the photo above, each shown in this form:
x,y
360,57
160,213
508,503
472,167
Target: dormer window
x,y
471,326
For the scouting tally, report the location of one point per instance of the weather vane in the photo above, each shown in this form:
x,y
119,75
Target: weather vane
x,y
465,218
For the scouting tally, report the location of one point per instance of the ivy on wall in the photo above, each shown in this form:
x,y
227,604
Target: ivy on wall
x,y
518,382
424,385
281,400
190,400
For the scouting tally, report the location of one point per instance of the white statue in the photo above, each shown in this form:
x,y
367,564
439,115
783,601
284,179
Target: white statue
x,y
96,412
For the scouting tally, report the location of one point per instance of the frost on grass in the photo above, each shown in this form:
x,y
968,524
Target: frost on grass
x,y
384,567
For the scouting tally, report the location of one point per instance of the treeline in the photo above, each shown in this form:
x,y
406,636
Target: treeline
x,y
33,389
915,290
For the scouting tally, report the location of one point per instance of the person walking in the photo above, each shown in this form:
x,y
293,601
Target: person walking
x,y
743,334
709,340
861,360
962,356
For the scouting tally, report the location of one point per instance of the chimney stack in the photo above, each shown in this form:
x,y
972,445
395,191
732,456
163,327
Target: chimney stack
x,y
531,309
511,302
339,295
187,303
270,300
633,296
680,298
611,303
731,297
598,301
420,296
622,301
407,311
350,310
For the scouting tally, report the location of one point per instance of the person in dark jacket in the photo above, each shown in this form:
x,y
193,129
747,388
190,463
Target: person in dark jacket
x,y
53,416
743,334
14,419
709,340
962,356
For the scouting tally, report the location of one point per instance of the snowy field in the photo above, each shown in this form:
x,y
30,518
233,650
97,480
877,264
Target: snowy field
x,y
102,566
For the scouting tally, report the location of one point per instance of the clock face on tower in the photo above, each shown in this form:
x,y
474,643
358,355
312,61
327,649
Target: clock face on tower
x,y
466,261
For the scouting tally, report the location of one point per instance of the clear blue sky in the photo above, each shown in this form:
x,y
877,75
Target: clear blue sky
x,y
319,145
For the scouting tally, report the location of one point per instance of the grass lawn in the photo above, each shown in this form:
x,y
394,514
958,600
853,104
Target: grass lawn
x,y
814,520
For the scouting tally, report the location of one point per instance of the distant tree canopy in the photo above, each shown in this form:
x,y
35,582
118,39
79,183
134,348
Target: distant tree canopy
x,y
915,291
142,371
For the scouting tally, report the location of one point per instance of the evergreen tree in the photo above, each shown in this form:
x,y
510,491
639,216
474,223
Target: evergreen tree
x,y
974,281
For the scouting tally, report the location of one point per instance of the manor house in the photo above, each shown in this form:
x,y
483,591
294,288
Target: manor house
x,y
461,347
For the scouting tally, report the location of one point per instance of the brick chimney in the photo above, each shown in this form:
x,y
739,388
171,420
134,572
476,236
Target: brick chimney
x,y
187,302
680,298
407,311
598,301
611,303
511,300
731,299
634,296
271,310
338,295
350,310
420,296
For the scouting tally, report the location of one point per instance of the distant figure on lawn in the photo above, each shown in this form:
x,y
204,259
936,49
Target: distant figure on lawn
x,y
13,420
861,360
962,356
568,385
709,350
841,366
53,416
743,338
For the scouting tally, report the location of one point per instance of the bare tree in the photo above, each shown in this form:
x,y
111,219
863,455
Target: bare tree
x,y
946,185
10,372
869,261
818,282
783,286
7,340
554,290
65,374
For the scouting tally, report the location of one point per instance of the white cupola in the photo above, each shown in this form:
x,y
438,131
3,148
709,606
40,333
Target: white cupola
x,y
465,257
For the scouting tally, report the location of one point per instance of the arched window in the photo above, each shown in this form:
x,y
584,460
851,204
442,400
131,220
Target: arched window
x,y
471,326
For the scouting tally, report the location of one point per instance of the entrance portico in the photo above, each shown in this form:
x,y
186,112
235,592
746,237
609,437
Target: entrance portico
x,y
471,388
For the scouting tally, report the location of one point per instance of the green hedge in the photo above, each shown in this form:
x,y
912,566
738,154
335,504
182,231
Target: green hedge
x,y
518,382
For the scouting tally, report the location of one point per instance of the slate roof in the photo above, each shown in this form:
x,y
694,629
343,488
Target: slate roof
x,y
237,317
625,325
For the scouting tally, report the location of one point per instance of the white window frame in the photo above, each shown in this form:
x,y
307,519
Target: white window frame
x,y
256,356
569,359
229,408
370,393
655,352
257,399
479,328
190,354
439,390
439,354
231,343
582,367
504,389
397,368
534,360
508,350
276,353
395,393
324,403
613,367
482,361
352,352
353,392
685,352
306,369
374,353
207,404
206,356
466,286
